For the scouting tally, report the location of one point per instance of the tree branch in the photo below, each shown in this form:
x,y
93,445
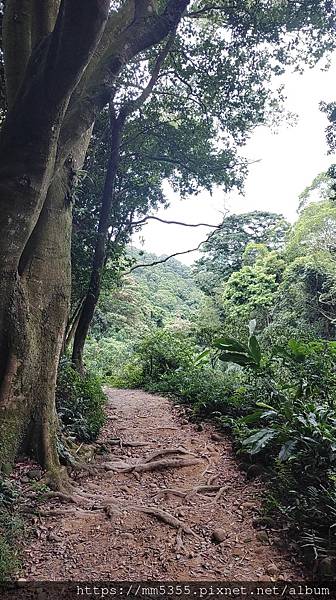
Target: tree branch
x,y
200,13
167,159
132,106
78,29
44,15
145,219
156,71
127,42
166,258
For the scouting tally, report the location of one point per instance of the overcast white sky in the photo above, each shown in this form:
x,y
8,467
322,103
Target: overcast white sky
x,y
289,160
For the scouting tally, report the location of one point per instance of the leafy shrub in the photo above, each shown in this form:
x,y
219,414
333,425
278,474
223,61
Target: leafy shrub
x,y
10,531
160,353
292,430
208,391
165,362
165,351
80,403
279,405
130,376
107,357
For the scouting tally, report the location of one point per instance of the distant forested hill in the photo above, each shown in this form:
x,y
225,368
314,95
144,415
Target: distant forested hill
x,y
147,298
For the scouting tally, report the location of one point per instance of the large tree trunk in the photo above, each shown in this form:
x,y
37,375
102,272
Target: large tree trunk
x,y
36,319
35,238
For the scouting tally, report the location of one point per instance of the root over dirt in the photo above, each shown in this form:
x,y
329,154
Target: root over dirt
x,y
166,503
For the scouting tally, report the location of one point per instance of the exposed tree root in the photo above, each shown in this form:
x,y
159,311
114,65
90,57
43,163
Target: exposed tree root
x,y
200,489
165,517
207,469
121,466
122,443
166,452
58,512
152,466
165,464
87,496
171,492
212,450
62,496
82,498
219,494
179,545
108,501
212,479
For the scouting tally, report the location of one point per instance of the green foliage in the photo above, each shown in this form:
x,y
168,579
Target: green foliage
x,y
230,350
273,385
322,186
291,292
11,528
279,406
292,423
165,362
315,230
149,298
164,351
226,252
80,403
107,356
308,288
250,293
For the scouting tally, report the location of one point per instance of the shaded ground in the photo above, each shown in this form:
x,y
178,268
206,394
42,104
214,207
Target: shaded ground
x,y
120,542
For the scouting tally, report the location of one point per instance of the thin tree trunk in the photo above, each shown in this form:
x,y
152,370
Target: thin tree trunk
x,y
100,252
99,257
72,325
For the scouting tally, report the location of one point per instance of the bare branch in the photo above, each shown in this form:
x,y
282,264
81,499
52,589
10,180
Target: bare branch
x,y
167,159
145,219
166,258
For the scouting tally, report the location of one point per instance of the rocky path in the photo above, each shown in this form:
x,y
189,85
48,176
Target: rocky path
x,y
169,503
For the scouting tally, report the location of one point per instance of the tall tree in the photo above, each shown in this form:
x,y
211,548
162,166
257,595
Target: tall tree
x,y
224,253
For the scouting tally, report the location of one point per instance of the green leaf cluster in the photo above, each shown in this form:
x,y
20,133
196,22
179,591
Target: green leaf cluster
x,y
80,403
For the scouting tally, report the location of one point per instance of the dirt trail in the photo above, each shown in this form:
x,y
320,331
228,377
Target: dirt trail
x,y
123,543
